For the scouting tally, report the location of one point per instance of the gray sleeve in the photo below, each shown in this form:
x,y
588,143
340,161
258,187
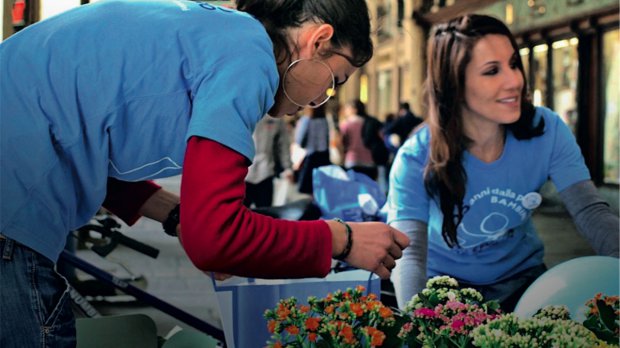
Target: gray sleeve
x,y
594,219
409,275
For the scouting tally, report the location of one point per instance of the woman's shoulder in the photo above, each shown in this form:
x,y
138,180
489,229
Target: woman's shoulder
x,y
417,144
554,123
420,135
549,116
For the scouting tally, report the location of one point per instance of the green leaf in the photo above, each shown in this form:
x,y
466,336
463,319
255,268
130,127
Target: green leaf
x,y
391,333
492,306
607,315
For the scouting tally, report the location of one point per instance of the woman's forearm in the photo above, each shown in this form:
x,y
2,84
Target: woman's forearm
x,y
409,276
593,217
159,205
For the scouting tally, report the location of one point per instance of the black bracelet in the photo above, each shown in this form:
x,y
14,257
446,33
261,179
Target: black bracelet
x,y
172,221
347,249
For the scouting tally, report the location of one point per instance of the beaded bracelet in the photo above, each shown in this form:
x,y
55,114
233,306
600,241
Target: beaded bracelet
x,y
347,249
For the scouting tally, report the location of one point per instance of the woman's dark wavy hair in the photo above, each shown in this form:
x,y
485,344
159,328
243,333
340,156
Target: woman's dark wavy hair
x,y
449,52
348,17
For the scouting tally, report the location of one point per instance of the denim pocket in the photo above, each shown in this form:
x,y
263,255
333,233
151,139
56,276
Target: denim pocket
x,y
34,301
51,302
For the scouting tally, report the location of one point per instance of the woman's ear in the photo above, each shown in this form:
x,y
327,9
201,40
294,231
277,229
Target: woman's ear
x,y
317,37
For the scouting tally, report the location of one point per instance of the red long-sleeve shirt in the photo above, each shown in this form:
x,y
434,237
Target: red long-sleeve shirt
x,y
220,234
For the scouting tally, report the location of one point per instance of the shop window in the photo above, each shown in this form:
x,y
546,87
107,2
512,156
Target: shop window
x,y
565,72
52,8
525,59
385,24
384,92
401,13
364,88
539,67
611,111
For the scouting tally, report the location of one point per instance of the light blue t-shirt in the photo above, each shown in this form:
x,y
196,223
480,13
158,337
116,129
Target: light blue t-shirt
x,y
497,238
115,89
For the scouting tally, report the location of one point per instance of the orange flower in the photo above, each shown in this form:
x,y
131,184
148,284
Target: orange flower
x,y
312,324
594,310
611,300
304,309
360,288
357,309
385,312
293,330
283,312
312,337
329,309
347,333
277,345
377,338
271,326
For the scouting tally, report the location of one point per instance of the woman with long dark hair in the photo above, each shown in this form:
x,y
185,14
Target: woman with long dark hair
x,y
464,187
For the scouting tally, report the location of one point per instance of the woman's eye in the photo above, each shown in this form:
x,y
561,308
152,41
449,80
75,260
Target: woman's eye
x,y
490,72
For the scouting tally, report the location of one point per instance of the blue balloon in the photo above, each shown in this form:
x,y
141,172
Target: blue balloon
x,y
572,283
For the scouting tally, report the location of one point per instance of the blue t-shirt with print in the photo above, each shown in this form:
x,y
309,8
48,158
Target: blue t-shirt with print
x,y
497,238
114,89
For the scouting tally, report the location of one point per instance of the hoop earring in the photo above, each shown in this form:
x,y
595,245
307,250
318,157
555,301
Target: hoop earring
x,y
327,92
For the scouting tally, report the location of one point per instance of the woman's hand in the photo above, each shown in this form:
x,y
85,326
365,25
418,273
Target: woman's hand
x,y
376,246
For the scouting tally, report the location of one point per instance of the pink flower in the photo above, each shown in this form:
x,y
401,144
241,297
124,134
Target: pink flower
x,y
457,325
424,312
456,305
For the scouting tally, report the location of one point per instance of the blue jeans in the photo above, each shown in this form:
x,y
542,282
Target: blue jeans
x,y
35,306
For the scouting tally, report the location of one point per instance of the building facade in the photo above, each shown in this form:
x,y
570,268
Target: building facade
x,y
570,49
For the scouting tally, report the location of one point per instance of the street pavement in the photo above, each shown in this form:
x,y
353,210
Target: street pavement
x,y
173,278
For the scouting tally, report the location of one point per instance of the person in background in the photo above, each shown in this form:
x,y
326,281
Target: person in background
x,y
312,135
400,129
390,118
273,157
336,154
357,155
465,185
387,124
100,99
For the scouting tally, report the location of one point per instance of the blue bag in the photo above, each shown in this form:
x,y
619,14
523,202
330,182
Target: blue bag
x,y
348,195
243,301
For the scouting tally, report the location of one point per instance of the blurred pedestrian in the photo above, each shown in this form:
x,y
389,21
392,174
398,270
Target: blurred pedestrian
x,y
360,134
272,159
399,130
312,135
